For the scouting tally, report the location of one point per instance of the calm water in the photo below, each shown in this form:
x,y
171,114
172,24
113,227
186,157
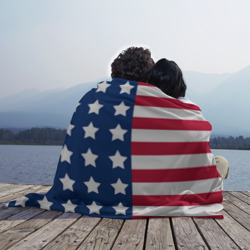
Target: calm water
x,y
37,165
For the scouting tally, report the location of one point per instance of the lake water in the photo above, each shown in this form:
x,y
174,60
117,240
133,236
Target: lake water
x,y
37,165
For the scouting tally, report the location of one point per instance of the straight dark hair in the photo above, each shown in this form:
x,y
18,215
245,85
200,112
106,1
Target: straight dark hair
x,y
167,76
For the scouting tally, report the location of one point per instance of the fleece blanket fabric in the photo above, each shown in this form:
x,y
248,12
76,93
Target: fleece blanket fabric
x,y
132,151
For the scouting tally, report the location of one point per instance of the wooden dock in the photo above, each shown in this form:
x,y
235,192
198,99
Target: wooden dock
x,y
34,228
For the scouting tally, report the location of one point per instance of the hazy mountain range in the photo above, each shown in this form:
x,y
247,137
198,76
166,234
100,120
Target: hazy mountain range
x,y
223,99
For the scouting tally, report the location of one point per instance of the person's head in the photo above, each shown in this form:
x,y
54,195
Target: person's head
x,y
134,63
167,76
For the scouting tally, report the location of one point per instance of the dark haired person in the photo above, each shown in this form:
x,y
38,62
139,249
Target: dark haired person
x,y
167,76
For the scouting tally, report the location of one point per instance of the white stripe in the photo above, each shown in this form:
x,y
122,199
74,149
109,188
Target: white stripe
x,y
203,210
178,188
151,91
185,100
167,113
172,161
151,135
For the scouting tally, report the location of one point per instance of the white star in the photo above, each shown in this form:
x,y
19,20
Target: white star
x,y
118,133
89,158
103,87
121,109
69,206
90,130
21,202
44,203
119,187
66,154
125,88
94,208
92,185
69,129
67,183
120,209
95,107
118,160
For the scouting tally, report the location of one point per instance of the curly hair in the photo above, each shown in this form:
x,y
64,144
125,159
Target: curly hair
x,y
134,63
167,76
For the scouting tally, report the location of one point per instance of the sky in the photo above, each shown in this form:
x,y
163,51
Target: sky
x,y
51,44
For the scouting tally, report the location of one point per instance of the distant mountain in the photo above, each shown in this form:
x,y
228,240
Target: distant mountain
x,y
12,100
223,99
228,105
200,83
52,101
44,109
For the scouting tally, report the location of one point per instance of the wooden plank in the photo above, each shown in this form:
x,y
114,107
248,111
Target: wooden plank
x,y
13,189
159,234
241,196
4,185
131,235
41,237
237,202
6,212
103,236
19,218
43,190
19,195
71,238
35,189
2,205
246,193
214,234
17,233
26,228
32,189
242,217
239,234
187,235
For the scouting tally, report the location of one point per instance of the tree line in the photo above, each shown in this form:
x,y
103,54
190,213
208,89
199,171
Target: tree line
x,y
53,136
230,142
36,136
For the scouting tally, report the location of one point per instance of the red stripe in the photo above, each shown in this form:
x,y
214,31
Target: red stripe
x,y
170,124
146,84
169,148
178,200
153,101
173,175
219,216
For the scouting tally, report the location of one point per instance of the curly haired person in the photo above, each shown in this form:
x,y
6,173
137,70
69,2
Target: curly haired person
x,y
134,64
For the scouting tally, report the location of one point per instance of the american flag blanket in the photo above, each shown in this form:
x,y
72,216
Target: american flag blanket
x,y
132,151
